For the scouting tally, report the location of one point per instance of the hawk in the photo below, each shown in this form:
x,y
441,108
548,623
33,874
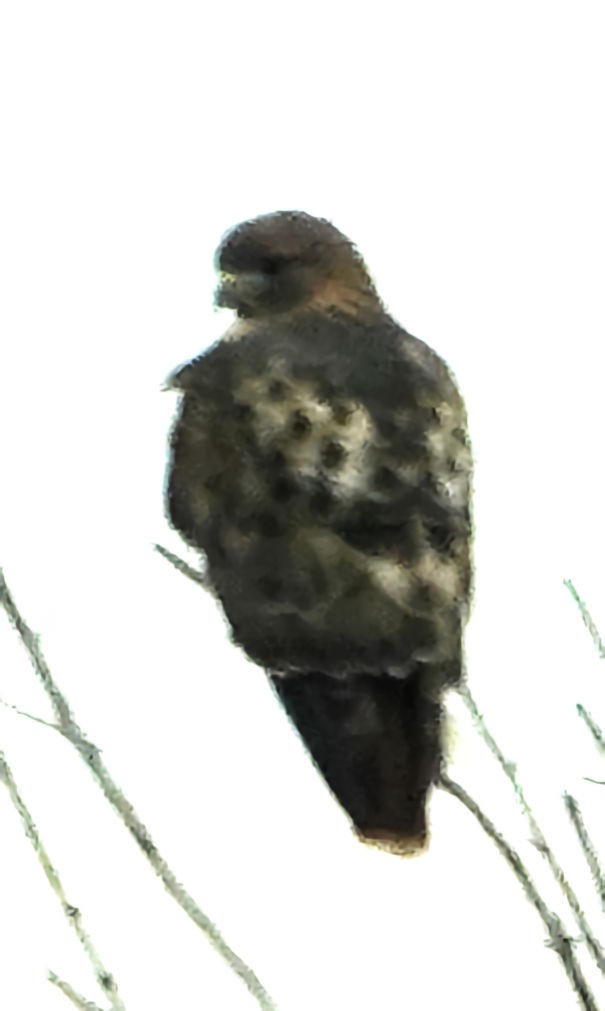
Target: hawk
x,y
320,461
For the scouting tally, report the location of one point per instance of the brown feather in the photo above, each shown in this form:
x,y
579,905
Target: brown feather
x,y
321,462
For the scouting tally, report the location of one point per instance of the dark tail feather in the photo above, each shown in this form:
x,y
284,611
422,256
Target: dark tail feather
x,y
376,741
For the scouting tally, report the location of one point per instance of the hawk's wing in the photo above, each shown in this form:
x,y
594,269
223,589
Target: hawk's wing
x,y
325,474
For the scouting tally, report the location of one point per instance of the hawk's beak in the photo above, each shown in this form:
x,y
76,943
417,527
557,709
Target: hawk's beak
x,y
226,293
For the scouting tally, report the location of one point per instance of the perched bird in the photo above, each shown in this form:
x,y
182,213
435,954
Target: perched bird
x,y
320,461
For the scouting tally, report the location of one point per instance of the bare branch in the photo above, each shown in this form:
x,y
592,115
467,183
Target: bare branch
x,y
196,575
587,618
558,939
593,726
538,837
91,755
590,854
76,999
72,913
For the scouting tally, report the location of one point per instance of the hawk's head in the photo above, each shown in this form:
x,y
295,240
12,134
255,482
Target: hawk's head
x,y
288,261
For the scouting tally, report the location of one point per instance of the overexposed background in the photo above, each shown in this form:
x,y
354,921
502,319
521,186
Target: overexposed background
x,y
461,146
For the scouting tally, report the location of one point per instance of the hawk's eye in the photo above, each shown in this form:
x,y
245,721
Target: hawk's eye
x,y
271,265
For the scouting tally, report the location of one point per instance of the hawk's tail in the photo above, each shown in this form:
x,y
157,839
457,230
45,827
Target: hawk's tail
x,y
376,741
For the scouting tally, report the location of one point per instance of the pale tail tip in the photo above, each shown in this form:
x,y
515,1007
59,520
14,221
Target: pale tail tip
x,y
390,842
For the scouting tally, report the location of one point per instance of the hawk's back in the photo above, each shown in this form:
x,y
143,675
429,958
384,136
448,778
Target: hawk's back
x,y
322,465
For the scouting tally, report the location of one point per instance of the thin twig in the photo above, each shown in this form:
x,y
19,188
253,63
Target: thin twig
x,y
538,837
587,618
196,575
77,999
590,854
28,716
72,913
91,755
593,726
558,939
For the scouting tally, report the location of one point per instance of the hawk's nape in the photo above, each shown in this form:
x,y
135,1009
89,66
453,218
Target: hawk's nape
x,y
320,460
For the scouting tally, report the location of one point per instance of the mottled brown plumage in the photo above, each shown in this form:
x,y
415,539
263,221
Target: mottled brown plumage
x,y
320,461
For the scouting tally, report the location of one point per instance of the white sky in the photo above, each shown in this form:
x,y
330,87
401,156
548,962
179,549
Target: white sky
x,y
461,145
